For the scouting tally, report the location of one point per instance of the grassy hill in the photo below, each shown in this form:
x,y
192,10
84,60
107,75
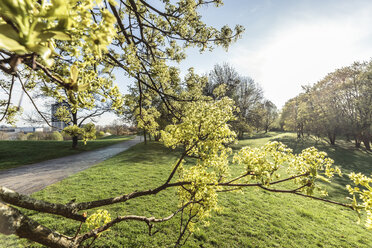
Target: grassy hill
x,y
253,219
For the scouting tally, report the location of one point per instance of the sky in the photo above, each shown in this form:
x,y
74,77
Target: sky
x,y
286,43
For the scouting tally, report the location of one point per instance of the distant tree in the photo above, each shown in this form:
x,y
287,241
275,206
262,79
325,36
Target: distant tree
x,y
223,80
270,114
290,117
337,105
222,75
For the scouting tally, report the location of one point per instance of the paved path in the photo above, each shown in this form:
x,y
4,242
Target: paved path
x,y
34,177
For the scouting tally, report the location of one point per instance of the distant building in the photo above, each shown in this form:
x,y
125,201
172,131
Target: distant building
x,y
31,129
7,129
56,123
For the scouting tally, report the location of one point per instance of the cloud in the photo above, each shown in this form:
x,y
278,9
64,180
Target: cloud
x,y
299,52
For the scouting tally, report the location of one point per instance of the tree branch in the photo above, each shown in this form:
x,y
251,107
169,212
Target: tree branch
x,y
9,98
12,221
148,220
27,202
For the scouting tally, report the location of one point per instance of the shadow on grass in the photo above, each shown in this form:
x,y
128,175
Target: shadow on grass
x,y
260,135
149,151
114,137
348,158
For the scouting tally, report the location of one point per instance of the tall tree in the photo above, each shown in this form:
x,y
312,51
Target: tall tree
x,y
224,80
270,114
337,105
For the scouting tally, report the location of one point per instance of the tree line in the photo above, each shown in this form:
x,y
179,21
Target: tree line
x,y
253,113
339,105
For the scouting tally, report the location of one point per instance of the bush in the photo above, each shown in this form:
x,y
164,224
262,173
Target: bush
x,y
4,136
35,136
42,136
55,136
100,134
66,136
21,136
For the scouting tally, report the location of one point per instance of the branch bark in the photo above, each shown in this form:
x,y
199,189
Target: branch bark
x,y
24,201
12,221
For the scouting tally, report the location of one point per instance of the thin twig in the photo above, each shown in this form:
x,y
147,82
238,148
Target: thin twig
x,y
9,98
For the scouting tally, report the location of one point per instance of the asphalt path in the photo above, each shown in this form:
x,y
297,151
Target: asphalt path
x,y
34,177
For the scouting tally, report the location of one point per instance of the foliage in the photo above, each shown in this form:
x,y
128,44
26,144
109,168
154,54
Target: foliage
x,y
25,33
338,105
35,136
100,134
99,218
70,44
254,112
56,136
87,132
364,193
3,136
33,33
22,136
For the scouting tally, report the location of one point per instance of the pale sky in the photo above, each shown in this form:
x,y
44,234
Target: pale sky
x,y
286,43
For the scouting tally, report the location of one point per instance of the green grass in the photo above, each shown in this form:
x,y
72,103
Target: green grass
x,y
253,219
15,153
345,155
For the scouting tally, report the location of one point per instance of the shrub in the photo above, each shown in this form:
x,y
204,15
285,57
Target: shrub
x,y
21,136
55,136
66,136
100,134
35,136
3,136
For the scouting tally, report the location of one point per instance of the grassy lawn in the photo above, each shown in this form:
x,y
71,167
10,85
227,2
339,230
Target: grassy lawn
x,y
253,219
14,153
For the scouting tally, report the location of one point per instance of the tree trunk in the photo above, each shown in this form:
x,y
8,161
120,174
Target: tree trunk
x,y
366,143
302,130
74,142
357,143
332,138
74,138
145,136
240,135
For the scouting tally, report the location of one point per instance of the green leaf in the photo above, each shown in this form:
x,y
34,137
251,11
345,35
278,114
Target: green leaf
x,y
45,36
9,40
41,27
58,35
323,178
44,52
59,8
74,73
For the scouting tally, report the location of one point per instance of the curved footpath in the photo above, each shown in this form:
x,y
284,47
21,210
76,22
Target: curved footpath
x,y
34,177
